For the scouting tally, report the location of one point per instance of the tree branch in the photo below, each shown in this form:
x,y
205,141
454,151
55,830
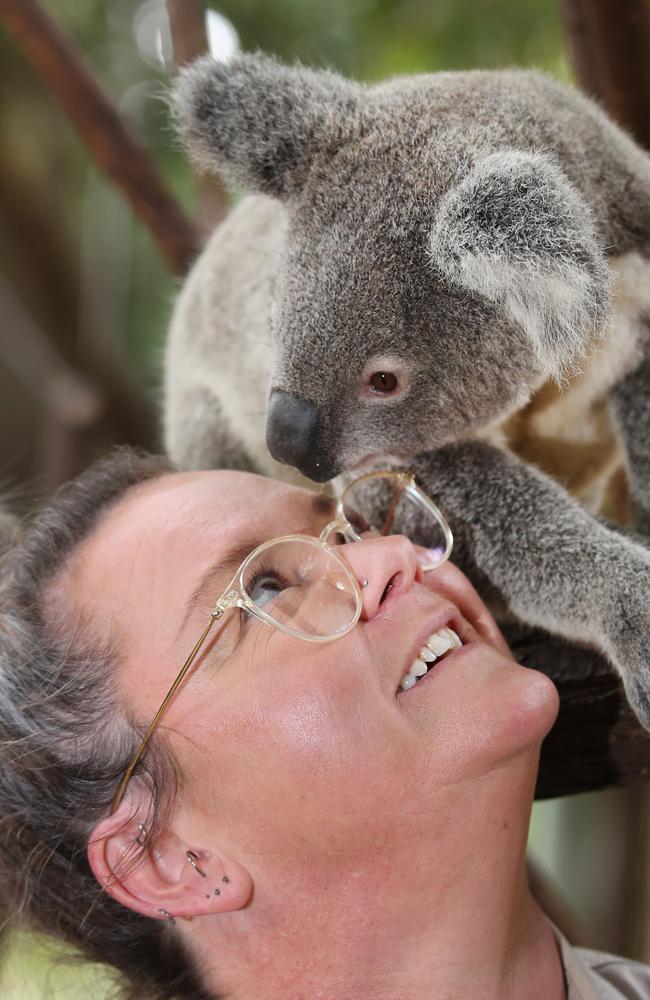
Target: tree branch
x,y
188,33
609,45
596,741
114,147
85,410
187,28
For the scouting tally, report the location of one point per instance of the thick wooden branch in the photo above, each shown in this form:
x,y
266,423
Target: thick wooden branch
x,y
86,407
189,41
39,306
115,149
187,28
609,44
596,741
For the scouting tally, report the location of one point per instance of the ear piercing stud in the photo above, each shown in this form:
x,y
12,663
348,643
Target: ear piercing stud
x,y
168,917
192,859
224,878
142,835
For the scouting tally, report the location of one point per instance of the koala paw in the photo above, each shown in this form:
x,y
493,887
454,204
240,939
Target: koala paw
x,y
628,639
639,699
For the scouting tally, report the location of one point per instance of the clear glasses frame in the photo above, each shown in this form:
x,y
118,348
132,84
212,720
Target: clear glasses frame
x,y
235,595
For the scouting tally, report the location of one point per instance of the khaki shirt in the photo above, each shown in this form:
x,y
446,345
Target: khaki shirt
x,y
595,975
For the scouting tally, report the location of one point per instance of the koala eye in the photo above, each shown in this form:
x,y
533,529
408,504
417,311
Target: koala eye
x,y
383,382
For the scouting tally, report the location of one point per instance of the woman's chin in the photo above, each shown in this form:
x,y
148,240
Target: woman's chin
x,y
531,707
490,711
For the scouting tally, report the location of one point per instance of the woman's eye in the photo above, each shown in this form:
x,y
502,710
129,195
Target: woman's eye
x,y
264,587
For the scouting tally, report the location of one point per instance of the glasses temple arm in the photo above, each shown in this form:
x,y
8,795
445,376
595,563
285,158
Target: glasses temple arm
x,y
128,774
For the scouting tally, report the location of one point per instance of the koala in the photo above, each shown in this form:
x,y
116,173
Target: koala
x,y
449,272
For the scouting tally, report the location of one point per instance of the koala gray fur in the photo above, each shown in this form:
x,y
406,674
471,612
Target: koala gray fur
x,y
483,236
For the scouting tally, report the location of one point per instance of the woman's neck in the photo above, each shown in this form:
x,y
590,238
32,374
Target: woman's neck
x,y
454,919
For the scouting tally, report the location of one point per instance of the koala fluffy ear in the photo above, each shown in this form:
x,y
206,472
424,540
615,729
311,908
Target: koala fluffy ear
x,y
516,231
258,122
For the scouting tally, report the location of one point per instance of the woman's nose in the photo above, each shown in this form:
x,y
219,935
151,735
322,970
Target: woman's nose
x,y
389,565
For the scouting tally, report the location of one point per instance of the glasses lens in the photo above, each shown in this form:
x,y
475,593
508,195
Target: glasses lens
x,y
388,506
303,587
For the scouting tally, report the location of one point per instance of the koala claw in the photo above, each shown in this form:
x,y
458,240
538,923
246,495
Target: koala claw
x,y
629,645
639,698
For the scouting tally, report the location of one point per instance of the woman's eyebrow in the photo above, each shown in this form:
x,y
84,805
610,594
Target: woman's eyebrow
x,y
224,568
321,506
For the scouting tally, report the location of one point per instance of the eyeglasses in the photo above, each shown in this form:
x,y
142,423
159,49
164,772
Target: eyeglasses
x,y
300,585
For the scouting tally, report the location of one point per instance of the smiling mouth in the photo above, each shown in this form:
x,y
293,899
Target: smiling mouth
x,y
437,647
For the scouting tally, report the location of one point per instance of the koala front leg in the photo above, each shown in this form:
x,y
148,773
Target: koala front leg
x,y
199,435
631,407
552,564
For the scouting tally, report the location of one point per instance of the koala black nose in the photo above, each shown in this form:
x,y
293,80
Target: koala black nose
x,y
292,427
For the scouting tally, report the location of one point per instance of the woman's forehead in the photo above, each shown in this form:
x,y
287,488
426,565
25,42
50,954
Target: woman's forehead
x,y
188,510
161,536
225,488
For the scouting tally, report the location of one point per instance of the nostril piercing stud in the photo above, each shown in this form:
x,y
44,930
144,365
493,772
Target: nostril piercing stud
x,y
192,858
364,582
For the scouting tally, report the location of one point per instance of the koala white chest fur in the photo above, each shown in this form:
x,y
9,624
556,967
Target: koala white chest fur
x,y
567,430
220,351
451,271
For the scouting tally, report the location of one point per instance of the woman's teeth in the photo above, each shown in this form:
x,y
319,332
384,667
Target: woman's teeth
x,y
436,646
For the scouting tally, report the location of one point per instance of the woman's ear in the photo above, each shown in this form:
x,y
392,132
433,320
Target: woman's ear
x,y
168,878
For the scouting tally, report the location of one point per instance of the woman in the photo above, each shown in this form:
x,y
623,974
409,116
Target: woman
x,y
300,823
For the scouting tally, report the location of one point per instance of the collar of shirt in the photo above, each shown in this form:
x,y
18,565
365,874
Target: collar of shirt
x,y
593,975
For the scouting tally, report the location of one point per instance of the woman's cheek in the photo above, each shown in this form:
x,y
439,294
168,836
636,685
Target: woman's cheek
x,y
451,583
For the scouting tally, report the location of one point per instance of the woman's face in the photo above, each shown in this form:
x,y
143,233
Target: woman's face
x,y
286,745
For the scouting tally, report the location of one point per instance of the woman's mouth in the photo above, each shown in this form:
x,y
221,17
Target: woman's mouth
x,y
436,648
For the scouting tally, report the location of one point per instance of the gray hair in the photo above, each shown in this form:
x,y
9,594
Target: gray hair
x,y
65,740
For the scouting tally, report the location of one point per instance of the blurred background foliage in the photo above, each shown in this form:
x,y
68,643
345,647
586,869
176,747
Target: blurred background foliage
x,y
81,278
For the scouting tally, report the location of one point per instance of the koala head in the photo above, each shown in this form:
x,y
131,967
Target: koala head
x,y
426,287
